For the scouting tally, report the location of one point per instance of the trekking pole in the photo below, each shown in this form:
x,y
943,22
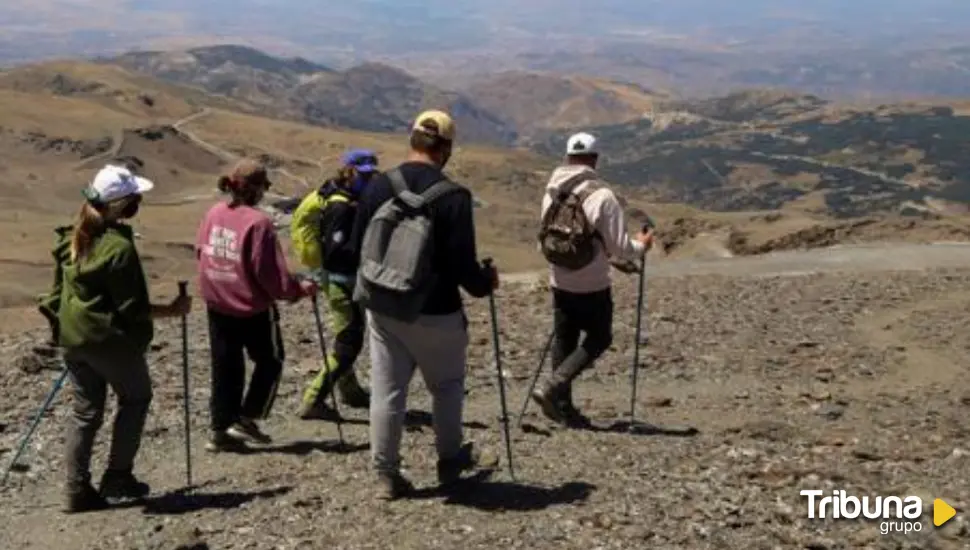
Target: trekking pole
x,y
535,378
183,292
498,365
326,367
636,335
33,426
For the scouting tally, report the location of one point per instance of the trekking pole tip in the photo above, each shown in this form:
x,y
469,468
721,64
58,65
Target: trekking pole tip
x,y
183,287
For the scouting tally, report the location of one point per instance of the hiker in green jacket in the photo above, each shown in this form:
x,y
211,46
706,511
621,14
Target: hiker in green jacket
x,y
101,316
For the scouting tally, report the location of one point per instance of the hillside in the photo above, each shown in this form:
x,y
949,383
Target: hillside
x,y
59,122
369,97
499,109
757,150
535,101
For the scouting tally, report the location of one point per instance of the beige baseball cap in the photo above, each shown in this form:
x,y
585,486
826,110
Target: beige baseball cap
x,y
435,123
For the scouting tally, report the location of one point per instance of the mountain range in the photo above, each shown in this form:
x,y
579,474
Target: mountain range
x,y
752,149
760,169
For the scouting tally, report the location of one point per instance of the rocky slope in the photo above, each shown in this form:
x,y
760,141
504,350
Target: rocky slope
x,y
838,381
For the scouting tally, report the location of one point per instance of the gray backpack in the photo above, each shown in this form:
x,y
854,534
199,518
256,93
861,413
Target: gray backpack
x,y
395,274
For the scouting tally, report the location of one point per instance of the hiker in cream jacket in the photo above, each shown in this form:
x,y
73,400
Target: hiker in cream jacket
x,y
582,298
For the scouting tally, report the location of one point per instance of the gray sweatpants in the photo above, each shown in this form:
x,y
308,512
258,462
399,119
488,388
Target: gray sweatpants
x,y
435,344
92,370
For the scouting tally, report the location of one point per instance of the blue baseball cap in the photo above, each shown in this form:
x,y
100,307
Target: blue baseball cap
x,y
364,160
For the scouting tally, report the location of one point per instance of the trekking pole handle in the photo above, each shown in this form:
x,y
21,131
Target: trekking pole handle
x,y
487,262
183,288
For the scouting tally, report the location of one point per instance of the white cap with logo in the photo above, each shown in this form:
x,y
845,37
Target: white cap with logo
x,y
116,182
581,144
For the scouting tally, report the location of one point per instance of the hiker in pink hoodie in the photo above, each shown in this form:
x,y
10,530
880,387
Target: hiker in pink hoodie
x,y
243,272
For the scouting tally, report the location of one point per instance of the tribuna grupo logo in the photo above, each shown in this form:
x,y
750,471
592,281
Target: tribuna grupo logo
x,y
898,514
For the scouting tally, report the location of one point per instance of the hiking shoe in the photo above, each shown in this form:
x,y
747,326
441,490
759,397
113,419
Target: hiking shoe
x,y
351,392
393,486
450,469
318,411
221,442
246,429
573,418
83,498
117,484
549,404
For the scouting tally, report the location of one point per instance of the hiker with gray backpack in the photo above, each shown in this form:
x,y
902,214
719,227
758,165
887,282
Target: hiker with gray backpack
x,y
583,232
414,237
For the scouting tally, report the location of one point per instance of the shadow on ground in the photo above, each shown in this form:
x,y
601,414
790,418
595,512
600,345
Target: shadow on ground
x,y
507,496
643,428
301,448
178,502
624,427
423,419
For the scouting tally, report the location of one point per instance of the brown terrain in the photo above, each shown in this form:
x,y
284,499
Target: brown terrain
x,y
763,374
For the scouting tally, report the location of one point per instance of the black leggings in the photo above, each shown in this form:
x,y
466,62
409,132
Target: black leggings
x,y
260,337
591,313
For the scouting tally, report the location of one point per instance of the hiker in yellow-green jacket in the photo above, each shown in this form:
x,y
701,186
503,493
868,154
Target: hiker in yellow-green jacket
x,y
320,231
100,314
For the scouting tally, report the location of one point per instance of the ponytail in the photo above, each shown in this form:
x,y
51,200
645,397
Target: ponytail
x,y
345,176
225,184
90,225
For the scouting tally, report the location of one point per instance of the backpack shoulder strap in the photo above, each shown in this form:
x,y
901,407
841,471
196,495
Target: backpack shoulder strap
x,y
437,190
572,183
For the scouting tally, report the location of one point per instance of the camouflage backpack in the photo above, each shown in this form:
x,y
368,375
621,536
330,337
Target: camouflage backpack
x,y
566,237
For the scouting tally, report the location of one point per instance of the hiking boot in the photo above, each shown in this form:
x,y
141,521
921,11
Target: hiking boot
x,y
573,418
351,392
547,399
318,411
450,469
393,486
247,430
221,442
83,498
117,484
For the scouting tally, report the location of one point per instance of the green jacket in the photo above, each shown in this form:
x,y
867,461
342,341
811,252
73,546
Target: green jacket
x,y
103,300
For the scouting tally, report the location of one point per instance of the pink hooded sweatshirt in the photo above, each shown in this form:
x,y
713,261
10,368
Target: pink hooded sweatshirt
x,y
242,268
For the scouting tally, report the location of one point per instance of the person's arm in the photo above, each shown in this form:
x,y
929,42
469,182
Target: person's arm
x,y
610,221
269,264
461,246
128,288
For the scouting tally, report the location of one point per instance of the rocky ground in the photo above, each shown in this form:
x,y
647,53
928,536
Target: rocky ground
x,y
848,381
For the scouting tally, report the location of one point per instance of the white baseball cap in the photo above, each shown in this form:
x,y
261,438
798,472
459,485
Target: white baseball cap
x,y
116,182
581,144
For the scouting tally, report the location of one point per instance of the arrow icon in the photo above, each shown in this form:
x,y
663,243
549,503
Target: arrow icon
x,y
942,512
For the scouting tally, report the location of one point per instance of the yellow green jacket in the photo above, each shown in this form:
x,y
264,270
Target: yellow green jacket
x,y
305,225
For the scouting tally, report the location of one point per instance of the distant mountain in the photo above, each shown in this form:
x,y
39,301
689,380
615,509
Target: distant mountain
x,y
541,101
758,151
499,109
371,97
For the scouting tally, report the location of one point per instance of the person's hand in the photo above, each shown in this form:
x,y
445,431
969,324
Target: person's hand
x,y
181,305
491,272
308,286
645,237
625,266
